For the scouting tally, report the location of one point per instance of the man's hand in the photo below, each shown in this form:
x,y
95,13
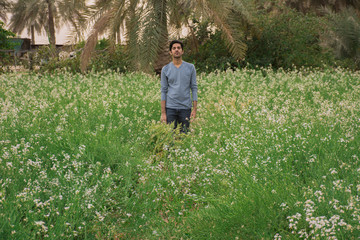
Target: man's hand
x,y
163,112
163,118
193,112
193,115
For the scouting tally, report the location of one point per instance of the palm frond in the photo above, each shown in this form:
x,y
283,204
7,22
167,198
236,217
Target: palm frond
x,y
97,10
99,28
344,33
227,18
35,13
5,6
133,26
149,39
154,36
117,21
179,11
75,13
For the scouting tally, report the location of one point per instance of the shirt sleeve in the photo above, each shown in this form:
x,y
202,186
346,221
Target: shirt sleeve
x,y
193,85
164,85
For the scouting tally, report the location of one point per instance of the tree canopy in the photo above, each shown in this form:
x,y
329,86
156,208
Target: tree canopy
x,y
47,16
254,31
147,24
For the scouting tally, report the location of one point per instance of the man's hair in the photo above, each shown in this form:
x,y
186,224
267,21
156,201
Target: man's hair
x,y
176,41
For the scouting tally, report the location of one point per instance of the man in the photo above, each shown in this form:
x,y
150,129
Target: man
x,y
177,79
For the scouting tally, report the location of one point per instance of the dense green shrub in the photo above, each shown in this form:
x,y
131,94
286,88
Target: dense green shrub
x,y
4,34
286,40
44,58
4,43
115,60
209,53
102,59
102,44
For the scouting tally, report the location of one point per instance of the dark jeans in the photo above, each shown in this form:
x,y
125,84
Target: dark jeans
x,y
179,116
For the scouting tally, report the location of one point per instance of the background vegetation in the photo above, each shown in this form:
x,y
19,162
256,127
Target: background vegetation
x,y
4,42
280,34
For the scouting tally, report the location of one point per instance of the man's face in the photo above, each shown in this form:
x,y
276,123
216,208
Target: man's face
x,y
176,50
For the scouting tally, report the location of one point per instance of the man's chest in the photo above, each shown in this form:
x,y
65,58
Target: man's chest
x,y
178,77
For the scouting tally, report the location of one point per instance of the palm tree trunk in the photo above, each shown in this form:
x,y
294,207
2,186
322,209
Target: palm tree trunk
x,y
163,56
52,38
118,37
340,5
193,37
32,32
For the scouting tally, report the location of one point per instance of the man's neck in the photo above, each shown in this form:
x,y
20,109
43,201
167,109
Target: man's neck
x,y
177,61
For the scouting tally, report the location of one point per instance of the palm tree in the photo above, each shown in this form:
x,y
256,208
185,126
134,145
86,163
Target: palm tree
x,y
4,8
46,15
147,25
108,15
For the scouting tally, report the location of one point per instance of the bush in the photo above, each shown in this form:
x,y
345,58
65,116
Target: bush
x,y
102,59
4,43
4,35
44,58
286,40
115,60
211,52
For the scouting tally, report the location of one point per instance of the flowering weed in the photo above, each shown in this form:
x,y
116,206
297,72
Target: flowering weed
x,y
272,155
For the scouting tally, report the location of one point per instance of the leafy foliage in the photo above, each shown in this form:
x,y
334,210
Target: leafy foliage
x,y
116,60
106,16
4,42
147,26
286,40
210,52
231,34
46,16
5,5
103,59
343,36
4,35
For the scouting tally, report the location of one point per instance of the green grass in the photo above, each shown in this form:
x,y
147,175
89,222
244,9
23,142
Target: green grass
x,y
271,155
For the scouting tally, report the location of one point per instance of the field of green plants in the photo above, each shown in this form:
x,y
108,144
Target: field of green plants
x,y
272,155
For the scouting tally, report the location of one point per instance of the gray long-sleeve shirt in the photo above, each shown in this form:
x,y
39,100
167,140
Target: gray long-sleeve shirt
x,y
176,84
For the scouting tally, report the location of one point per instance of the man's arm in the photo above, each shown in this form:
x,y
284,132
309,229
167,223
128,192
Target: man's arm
x,y
164,89
194,88
163,111
193,112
